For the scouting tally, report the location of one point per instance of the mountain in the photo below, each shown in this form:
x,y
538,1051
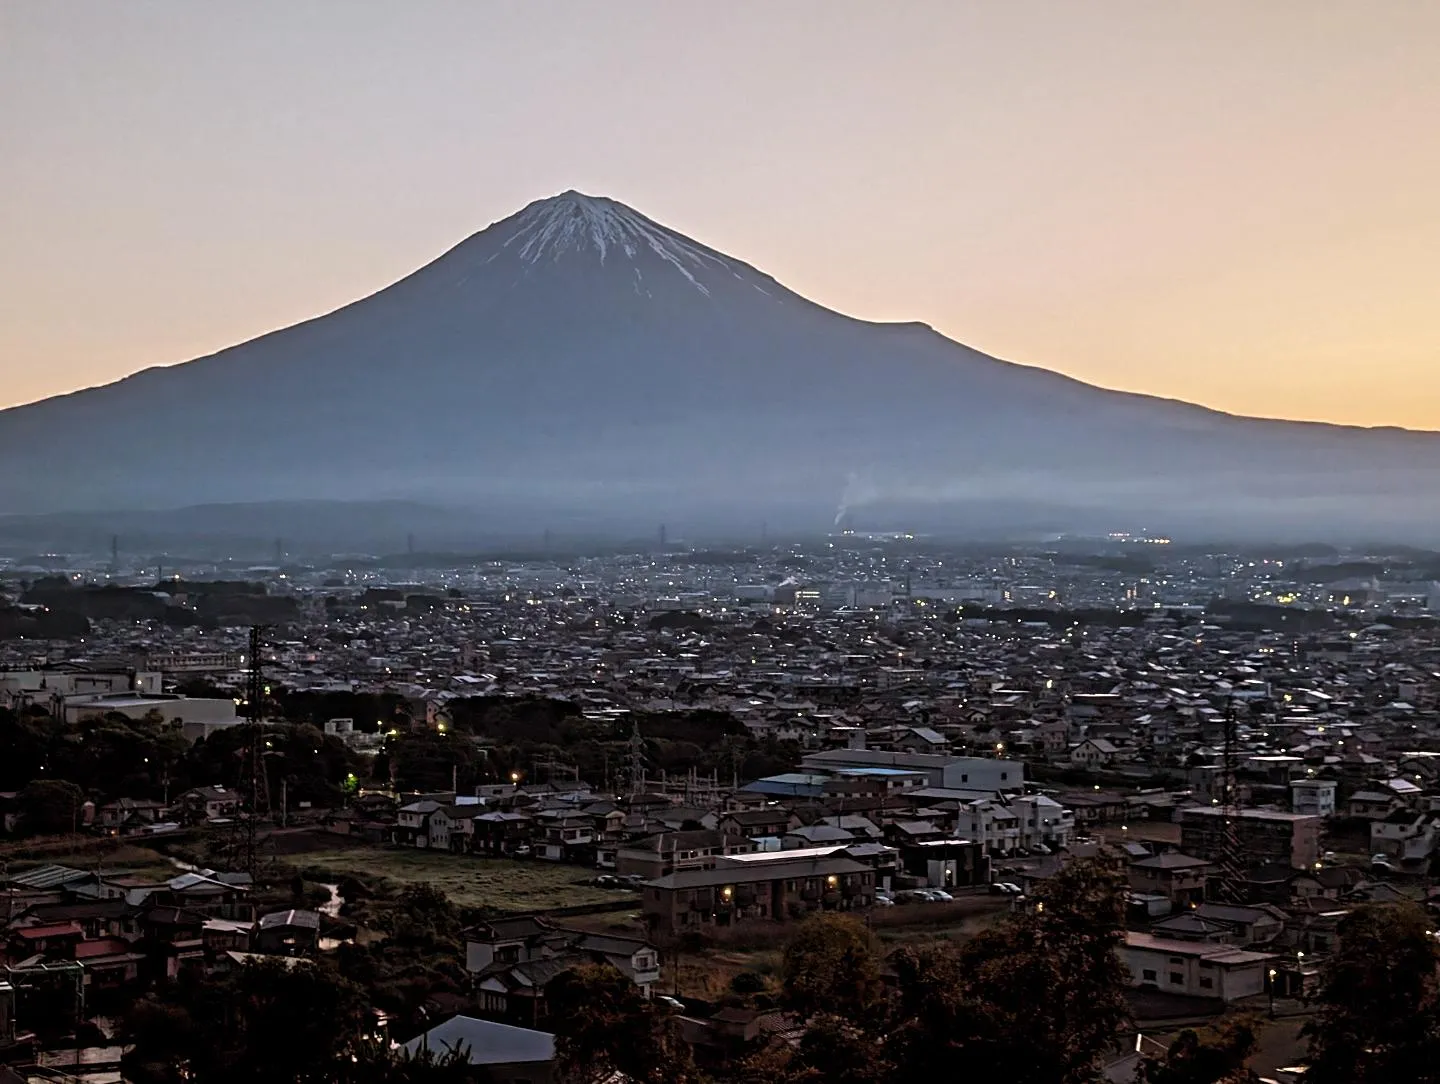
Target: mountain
x,y
579,361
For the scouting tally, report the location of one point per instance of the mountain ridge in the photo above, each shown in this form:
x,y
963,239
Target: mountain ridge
x,y
578,351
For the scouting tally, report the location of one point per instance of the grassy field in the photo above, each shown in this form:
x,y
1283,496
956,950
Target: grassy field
x,y
106,855
469,881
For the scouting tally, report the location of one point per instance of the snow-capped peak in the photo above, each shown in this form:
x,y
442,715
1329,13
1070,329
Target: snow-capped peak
x,y
574,222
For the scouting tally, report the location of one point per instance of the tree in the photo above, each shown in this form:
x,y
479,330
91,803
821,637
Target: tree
x,y
163,1037
423,916
372,1061
835,1051
426,761
29,739
49,806
603,1023
1036,1001
1216,1056
170,1045
280,1021
1379,1017
830,967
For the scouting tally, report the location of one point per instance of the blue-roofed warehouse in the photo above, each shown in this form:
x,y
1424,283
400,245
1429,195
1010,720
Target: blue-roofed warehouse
x,y
789,785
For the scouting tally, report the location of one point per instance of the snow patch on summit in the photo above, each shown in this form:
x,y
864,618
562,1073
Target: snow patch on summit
x,y
573,222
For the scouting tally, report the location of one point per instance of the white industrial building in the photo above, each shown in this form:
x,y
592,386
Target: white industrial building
x,y
198,717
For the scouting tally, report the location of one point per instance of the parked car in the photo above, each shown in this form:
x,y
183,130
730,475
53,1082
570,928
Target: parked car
x,y
605,880
668,1003
884,901
939,895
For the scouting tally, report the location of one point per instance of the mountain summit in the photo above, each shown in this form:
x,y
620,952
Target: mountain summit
x,y
579,360
576,226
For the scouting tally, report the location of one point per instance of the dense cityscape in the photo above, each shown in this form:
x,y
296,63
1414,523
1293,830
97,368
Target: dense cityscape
x,y
477,794
750,543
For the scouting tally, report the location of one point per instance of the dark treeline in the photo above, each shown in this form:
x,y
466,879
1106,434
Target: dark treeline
x,y
477,740
209,604
115,757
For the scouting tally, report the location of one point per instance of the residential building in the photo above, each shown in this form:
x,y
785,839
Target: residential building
x,y
989,822
1262,835
1093,753
668,852
129,816
209,803
1405,835
287,933
1180,878
946,863
1313,797
1196,969
758,888
1043,820
512,960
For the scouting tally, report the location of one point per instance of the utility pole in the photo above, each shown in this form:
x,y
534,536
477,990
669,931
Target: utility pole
x,y
255,713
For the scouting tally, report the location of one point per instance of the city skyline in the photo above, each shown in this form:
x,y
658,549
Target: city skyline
x,y
1205,202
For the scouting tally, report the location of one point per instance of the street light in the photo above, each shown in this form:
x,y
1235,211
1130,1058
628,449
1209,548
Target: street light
x,y
1273,973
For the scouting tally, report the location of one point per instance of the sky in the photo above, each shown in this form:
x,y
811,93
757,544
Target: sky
x,y
1222,201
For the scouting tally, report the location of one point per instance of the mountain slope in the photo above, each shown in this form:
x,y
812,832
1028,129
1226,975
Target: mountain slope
x,y
577,357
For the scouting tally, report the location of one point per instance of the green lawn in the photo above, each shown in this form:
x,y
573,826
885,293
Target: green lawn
x,y
469,881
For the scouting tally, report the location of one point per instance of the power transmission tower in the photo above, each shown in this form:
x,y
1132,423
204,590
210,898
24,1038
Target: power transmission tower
x,y
635,761
1228,857
259,784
